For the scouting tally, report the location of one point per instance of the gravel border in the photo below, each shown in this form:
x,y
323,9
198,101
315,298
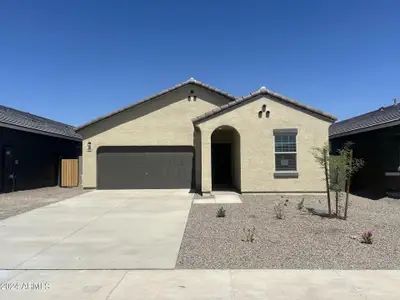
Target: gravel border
x,y
15,203
299,241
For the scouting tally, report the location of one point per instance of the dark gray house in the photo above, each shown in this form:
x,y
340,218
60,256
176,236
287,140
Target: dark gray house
x,y
31,148
376,137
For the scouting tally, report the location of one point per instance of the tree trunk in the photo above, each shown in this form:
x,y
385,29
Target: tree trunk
x,y
348,186
327,182
337,191
337,203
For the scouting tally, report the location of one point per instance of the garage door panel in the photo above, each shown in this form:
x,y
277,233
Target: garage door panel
x,y
145,167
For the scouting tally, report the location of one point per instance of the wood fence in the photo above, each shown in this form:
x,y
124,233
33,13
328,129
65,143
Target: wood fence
x,y
69,172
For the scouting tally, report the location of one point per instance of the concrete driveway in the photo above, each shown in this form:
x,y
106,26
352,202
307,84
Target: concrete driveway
x,y
98,230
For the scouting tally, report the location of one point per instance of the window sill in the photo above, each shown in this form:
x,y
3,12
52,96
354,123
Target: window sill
x,y
288,174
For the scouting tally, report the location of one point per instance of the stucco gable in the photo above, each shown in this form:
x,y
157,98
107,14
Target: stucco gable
x,y
191,81
275,96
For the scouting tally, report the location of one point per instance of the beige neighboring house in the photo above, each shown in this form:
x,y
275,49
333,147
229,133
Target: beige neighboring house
x,y
194,136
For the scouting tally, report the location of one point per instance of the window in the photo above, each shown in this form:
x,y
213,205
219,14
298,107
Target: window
x,y
285,150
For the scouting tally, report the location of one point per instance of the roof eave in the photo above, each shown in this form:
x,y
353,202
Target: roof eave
x,y
31,130
365,129
155,96
263,91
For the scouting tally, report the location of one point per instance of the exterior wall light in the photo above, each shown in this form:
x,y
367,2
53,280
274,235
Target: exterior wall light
x,y
89,147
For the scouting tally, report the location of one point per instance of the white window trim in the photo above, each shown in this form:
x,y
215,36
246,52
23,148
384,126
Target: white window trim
x,y
288,173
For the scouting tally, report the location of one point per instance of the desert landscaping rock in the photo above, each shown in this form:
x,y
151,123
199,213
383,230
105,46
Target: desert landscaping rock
x,y
15,203
299,241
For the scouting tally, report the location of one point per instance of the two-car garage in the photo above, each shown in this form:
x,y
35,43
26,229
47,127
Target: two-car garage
x,y
145,167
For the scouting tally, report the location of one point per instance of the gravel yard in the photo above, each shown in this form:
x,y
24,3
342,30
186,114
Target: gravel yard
x,y
15,203
299,241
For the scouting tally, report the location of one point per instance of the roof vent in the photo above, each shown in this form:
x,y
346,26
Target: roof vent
x,y
191,79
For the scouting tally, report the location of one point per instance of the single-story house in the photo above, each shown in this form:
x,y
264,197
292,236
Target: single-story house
x,y
198,137
376,138
31,148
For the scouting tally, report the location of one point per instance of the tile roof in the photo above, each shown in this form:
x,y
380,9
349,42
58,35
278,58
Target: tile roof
x,y
233,101
189,81
26,121
263,91
383,117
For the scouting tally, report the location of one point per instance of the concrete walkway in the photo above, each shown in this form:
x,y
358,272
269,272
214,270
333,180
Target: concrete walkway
x,y
98,230
200,284
219,197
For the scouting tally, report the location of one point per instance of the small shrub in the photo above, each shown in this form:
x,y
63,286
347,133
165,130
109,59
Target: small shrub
x,y
249,234
221,212
300,204
279,209
366,237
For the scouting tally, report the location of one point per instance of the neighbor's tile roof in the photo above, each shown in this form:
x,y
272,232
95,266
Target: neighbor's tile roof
x,y
263,91
369,121
25,120
189,81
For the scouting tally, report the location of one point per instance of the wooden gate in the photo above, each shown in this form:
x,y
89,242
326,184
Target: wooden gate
x,y
69,172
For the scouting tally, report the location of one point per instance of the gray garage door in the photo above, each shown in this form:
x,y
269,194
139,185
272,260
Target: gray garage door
x,y
134,167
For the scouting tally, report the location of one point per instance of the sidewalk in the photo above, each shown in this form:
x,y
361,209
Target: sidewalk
x,y
199,284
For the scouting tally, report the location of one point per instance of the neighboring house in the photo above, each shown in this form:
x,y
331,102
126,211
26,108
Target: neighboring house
x,y
376,138
31,148
196,136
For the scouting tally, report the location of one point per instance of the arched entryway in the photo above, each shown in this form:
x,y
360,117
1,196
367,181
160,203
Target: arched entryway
x,y
225,159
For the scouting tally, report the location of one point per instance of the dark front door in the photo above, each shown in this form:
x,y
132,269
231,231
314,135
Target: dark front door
x,y
221,159
147,167
8,170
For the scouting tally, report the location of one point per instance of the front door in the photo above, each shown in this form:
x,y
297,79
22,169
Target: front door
x,y
221,165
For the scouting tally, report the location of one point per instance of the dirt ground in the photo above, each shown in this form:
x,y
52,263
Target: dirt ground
x,y
15,203
300,240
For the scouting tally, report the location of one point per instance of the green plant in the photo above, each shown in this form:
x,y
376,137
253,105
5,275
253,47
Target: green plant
x,y
279,209
321,155
221,212
366,237
339,169
249,234
300,204
343,166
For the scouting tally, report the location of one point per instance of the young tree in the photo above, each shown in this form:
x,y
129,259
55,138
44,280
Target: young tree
x,y
351,166
321,155
337,177
339,170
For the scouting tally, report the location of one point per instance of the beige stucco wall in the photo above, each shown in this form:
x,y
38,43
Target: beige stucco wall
x,y
257,146
162,121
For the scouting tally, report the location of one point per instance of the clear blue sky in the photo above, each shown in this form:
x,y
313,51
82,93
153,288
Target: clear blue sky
x,y
73,61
